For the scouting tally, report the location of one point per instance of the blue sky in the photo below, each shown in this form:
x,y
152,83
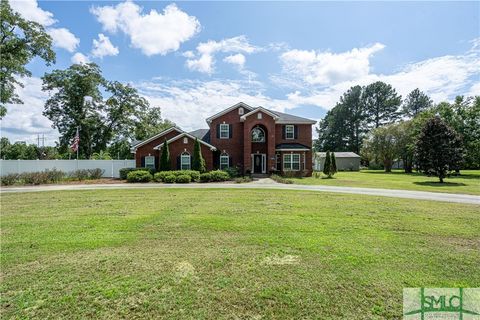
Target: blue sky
x,y
195,58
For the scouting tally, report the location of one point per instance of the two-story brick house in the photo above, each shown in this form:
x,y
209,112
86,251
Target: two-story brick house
x,y
256,140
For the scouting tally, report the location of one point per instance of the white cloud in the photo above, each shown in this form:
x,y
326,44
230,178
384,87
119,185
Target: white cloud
x,y
154,32
206,51
24,122
327,68
79,58
63,38
103,47
30,10
236,59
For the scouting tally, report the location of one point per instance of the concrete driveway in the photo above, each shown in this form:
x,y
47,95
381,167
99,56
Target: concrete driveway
x,y
406,194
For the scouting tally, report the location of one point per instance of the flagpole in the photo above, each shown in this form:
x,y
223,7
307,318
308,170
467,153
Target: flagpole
x,y
78,145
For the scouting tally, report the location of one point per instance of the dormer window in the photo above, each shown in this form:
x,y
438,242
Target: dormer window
x,y
241,111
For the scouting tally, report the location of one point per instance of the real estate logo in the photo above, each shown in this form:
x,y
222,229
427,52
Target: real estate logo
x,y
441,303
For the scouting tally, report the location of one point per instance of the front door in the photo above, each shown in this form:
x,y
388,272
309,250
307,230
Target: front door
x,y
257,163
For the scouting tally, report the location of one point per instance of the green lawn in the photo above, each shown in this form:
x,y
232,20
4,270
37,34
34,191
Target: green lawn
x,y
228,254
468,182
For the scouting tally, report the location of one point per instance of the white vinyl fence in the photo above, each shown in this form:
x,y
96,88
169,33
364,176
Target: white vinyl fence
x,y
111,168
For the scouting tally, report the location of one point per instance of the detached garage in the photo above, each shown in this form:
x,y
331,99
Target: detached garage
x,y
346,161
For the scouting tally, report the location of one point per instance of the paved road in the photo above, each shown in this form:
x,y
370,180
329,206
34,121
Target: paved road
x,y
420,195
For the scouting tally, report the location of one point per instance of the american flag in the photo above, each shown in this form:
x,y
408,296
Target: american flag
x,y
76,142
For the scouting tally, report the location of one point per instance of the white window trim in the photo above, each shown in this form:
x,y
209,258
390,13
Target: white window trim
x,y
293,131
259,115
185,140
223,156
291,162
241,111
182,156
228,130
152,163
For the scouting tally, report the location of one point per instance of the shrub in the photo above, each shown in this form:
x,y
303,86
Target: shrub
x,y
206,177
54,175
124,171
34,177
139,176
183,178
169,178
194,175
95,173
233,172
243,179
9,179
81,174
280,179
219,175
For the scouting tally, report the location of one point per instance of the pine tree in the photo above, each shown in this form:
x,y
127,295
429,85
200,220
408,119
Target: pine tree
x,y
165,158
333,164
327,166
198,162
438,149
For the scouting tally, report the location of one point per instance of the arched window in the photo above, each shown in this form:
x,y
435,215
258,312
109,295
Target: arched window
x,y
224,161
241,111
258,135
185,161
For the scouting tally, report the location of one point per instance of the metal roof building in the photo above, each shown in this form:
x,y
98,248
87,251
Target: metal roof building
x,y
346,161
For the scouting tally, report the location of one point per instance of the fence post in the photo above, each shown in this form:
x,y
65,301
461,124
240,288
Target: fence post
x,y
18,166
112,168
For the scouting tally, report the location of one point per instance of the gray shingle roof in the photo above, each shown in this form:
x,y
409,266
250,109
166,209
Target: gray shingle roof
x,y
285,117
202,134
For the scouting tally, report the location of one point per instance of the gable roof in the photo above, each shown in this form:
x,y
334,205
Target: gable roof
x,y
185,134
285,118
201,134
262,109
158,135
235,106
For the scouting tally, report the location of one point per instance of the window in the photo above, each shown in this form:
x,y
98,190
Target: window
x,y
224,131
289,131
150,162
185,161
224,161
185,140
291,162
240,111
259,115
258,135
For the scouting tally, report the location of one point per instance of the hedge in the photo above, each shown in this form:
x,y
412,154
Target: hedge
x,y
124,171
139,176
214,176
194,175
170,178
183,178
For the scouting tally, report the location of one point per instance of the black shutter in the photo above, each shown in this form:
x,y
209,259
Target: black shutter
x,y
295,130
230,127
230,162
157,163
216,159
142,162
179,167
283,132
218,131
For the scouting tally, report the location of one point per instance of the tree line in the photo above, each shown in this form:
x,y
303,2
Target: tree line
x,y
109,114
374,122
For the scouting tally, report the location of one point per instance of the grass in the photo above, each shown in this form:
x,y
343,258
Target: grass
x,y
467,183
186,254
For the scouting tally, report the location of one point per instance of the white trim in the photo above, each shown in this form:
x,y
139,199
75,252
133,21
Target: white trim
x,y
186,154
304,150
262,109
135,147
221,113
150,156
291,162
220,130
188,135
293,131
224,155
